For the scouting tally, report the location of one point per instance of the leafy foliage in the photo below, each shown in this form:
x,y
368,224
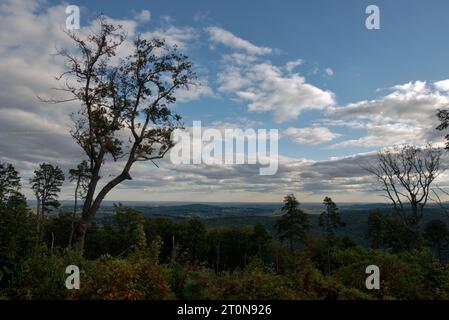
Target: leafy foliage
x,y
46,184
9,185
437,233
124,110
130,256
330,220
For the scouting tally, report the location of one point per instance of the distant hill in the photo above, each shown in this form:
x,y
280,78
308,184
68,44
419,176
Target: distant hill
x,y
248,214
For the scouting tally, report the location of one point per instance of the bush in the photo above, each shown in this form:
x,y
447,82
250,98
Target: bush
x,y
139,277
412,275
255,282
42,276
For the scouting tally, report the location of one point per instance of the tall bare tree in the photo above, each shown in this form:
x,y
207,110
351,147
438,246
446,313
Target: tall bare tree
x,y
405,174
124,111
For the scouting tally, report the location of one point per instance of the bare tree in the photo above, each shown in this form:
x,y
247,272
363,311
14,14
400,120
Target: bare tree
x,y
405,174
124,111
439,192
443,117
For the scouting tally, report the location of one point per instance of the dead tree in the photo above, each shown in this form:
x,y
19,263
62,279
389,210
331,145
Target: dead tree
x,y
405,175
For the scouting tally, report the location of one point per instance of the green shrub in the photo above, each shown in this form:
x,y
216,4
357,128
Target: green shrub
x,y
42,275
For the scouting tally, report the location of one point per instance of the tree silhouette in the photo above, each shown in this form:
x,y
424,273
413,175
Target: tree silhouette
x,y
260,238
387,230
124,111
405,174
293,224
46,184
18,232
437,234
330,220
376,229
81,177
443,117
196,239
9,184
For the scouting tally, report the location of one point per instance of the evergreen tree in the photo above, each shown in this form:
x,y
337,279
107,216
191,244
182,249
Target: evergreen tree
x,y
330,220
376,229
293,225
17,224
437,234
9,185
81,176
46,184
260,238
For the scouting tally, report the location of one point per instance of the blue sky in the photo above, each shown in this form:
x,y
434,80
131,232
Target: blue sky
x,y
409,46
335,90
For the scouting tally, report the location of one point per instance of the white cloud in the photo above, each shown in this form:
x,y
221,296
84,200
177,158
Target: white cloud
x,y
197,90
310,136
167,19
31,131
224,37
442,85
406,115
289,66
388,134
329,72
266,87
183,37
262,85
201,16
143,16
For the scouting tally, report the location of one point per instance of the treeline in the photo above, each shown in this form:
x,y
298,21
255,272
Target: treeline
x,y
131,256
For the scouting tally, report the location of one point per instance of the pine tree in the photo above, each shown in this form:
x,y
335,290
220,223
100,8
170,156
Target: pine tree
x,y
330,220
437,233
293,225
46,184
81,176
9,185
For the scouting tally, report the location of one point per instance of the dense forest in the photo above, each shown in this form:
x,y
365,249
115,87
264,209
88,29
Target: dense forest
x,y
130,255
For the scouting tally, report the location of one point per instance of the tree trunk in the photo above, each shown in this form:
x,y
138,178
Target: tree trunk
x,y
79,234
80,231
38,216
40,220
52,242
91,207
173,250
218,258
72,230
277,261
439,250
